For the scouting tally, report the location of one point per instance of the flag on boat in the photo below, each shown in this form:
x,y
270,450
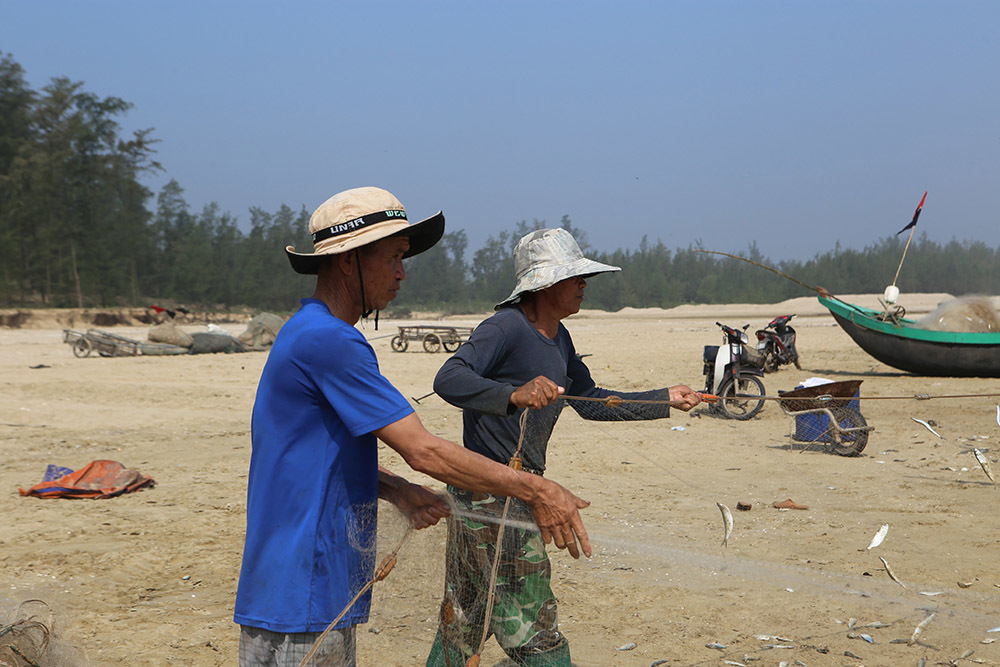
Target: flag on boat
x,y
916,214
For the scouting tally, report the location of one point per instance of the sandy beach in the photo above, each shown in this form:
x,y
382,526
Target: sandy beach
x,y
149,578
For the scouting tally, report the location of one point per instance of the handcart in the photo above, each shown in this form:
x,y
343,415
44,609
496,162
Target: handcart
x,y
112,345
432,337
828,414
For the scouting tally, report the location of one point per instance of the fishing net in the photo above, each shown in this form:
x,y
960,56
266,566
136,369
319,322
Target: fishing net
x,y
26,637
481,584
967,314
494,564
25,633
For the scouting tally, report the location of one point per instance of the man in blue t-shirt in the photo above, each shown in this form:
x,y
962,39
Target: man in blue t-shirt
x,y
314,479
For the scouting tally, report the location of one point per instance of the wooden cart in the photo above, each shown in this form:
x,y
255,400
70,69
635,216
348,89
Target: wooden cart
x,y
432,337
112,345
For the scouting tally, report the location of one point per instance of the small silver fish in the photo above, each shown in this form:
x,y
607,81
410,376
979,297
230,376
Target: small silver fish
x,y
920,629
733,662
727,518
868,638
717,646
926,425
966,654
984,463
627,647
888,570
851,655
879,536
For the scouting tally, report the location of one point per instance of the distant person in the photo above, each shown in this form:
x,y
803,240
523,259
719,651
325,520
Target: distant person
x,y
521,357
314,474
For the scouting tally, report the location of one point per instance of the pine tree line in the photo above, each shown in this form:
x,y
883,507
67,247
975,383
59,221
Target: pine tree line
x,y
78,228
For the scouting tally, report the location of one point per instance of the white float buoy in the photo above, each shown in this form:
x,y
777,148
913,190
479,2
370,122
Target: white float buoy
x,y
891,294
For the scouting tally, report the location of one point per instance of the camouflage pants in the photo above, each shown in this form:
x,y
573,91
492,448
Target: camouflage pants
x,y
523,619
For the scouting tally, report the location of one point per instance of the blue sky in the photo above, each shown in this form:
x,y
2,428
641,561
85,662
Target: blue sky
x,y
792,124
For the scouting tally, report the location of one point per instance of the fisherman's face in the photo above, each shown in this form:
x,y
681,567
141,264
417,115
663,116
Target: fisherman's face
x,y
382,270
566,296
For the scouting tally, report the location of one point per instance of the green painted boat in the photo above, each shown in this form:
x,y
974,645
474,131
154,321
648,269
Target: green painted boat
x,y
903,345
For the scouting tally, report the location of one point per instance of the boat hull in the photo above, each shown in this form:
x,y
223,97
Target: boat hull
x,y
943,354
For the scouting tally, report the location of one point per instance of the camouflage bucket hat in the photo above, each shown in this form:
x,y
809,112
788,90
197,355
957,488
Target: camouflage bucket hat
x,y
546,257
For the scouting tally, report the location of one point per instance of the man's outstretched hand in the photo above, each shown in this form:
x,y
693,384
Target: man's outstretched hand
x,y
684,397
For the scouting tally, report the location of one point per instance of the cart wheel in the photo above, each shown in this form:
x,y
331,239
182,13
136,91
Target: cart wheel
x,y
432,343
848,444
398,344
82,347
451,345
741,408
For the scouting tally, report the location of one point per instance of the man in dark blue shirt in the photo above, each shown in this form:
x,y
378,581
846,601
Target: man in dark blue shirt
x,y
522,358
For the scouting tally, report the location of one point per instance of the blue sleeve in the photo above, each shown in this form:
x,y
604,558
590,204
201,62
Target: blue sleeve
x,y
349,378
464,379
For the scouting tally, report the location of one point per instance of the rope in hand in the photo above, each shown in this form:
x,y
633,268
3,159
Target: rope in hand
x,y
615,401
515,463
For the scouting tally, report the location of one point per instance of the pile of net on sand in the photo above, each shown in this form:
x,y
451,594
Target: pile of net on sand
x,y
169,333
970,314
207,342
261,330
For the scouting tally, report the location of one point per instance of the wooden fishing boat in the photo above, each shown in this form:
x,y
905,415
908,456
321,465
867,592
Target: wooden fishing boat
x,y
899,343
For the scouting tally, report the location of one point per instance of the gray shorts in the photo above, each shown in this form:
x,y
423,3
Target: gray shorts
x,y
263,648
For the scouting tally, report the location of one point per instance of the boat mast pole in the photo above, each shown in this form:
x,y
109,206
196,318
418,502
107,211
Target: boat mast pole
x,y
912,227
905,248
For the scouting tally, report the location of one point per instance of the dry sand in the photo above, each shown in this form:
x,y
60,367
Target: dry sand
x,y
150,578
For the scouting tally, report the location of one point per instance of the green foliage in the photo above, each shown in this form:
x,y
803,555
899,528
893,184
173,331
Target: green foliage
x,y
76,230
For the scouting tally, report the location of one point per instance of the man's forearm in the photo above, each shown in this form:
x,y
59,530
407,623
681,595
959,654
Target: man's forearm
x,y
452,464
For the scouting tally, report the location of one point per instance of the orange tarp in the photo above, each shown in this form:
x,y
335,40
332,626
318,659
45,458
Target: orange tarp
x,y
97,479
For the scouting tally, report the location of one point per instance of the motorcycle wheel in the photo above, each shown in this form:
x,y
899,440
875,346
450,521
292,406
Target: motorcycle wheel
x,y
770,361
848,444
742,408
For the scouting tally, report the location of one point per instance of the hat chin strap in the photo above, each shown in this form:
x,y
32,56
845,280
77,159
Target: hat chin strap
x,y
364,304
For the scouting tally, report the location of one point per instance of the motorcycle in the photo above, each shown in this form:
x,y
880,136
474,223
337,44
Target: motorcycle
x,y
733,372
776,344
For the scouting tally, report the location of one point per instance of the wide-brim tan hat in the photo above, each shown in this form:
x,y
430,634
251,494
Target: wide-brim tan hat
x,y
546,257
357,217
